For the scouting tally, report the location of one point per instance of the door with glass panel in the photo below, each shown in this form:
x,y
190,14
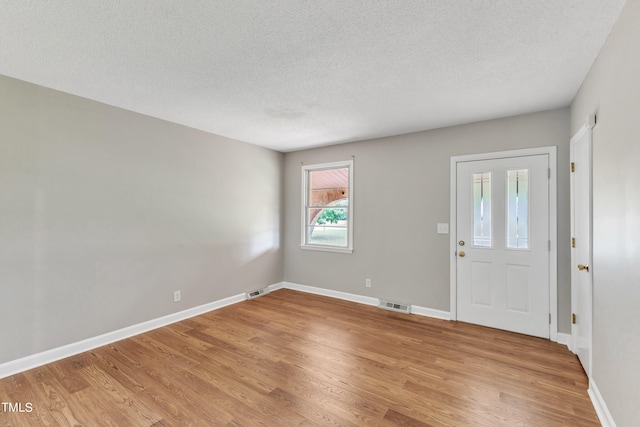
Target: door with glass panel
x,y
502,239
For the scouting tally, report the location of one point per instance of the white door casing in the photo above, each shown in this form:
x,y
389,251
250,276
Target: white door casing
x,y
502,286
581,253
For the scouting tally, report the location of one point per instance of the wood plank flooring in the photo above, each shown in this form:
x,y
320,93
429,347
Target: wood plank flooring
x,y
296,359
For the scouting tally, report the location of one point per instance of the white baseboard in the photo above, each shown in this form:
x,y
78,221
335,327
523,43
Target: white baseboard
x,y
600,406
276,286
430,312
33,361
49,356
361,299
562,338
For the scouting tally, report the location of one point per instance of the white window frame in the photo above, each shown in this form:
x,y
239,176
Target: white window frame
x,y
305,202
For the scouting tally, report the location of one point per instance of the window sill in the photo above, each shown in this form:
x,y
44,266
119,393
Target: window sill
x,y
326,249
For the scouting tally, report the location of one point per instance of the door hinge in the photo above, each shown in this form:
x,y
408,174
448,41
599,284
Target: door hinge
x,y
573,167
548,173
573,318
549,318
549,245
573,242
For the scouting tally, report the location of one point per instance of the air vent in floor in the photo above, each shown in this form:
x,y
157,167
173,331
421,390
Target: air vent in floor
x,y
257,293
395,306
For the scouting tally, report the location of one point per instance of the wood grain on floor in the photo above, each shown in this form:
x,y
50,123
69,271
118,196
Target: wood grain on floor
x,y
293,359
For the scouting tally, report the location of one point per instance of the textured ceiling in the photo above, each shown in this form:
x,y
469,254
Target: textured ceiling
x,y
292,74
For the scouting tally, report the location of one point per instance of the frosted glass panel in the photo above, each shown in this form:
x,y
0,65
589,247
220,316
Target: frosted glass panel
x,y
518,209
482,210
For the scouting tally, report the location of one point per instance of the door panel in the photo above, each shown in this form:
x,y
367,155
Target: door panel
x,y
518,288
502,224
581,280
481,284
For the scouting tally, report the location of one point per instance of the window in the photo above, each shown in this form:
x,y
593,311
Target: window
x,y
482,210
327,207
518,209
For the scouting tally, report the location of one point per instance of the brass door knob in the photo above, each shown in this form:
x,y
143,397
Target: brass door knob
x,y
461,254
583,267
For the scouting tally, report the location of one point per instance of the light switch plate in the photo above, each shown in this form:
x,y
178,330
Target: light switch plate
x,y
443,228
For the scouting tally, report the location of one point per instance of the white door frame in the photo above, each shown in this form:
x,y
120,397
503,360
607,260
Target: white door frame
x,y
553,227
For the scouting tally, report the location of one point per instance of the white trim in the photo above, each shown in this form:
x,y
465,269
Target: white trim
x,y
565,339
504,154
305,194
553,226
33,361
553,239
326,249
276,286
453,234
49,356
600,406
579,133
430,312
361,299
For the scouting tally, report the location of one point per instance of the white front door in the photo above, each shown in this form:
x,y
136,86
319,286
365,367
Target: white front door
x,y
503,244
581,271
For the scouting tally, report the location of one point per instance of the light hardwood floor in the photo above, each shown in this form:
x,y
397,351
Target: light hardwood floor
x,y
292,358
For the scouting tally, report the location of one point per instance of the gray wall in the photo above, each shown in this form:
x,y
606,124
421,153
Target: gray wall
x,y
104,213
612,90
401,192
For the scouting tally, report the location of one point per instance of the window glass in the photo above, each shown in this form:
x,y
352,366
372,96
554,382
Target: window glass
x,y
518,209
482,210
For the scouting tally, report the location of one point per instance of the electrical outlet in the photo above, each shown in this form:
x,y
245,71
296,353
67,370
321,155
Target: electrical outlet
x,y
177,296
367,283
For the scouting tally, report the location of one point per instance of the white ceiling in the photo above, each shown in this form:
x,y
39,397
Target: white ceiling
x,y
292,74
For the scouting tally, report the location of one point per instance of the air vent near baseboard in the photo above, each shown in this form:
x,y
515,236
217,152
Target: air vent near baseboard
x,y
257,293
394,306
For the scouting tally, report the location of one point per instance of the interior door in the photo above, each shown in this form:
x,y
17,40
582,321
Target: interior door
x,y
503,242
581,270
